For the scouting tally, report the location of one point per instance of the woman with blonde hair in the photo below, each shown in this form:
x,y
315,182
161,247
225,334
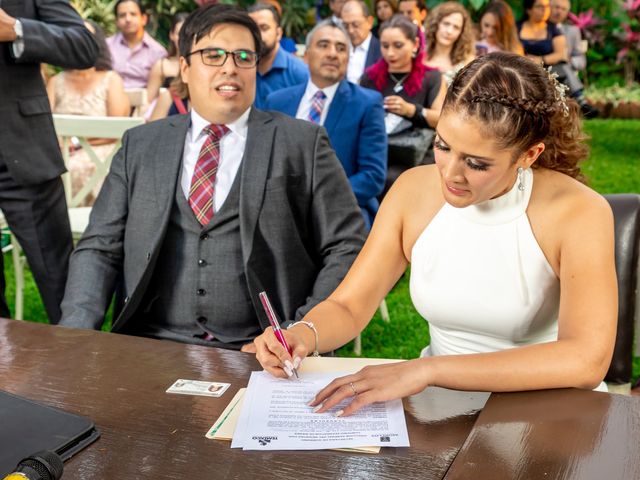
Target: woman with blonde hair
x,y
450,41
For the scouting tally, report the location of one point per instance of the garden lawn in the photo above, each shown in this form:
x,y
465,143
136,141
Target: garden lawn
x,y
613,167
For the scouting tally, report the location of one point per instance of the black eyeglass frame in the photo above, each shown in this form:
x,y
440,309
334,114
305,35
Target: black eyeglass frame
x,y
233,54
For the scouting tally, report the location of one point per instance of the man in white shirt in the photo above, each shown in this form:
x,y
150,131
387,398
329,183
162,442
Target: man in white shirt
x,y
365,48
576,47
202,212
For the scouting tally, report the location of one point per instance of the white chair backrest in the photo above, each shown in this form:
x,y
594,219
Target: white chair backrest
x,y
138,100
81,128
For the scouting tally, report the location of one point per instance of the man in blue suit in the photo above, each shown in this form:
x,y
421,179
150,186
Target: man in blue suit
x,y
353,116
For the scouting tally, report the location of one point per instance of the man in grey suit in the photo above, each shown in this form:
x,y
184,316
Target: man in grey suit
x,y
31,193
201,212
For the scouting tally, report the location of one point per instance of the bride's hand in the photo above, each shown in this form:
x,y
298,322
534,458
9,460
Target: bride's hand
x,y
274,358
378,383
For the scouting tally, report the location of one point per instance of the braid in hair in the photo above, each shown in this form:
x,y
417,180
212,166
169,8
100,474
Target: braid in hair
x,y
519,104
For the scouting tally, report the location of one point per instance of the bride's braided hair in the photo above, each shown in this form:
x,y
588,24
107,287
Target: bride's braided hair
x,y
520,104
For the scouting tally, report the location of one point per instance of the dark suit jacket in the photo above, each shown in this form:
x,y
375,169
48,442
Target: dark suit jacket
x,y
373,54
300,226
53,33
355,124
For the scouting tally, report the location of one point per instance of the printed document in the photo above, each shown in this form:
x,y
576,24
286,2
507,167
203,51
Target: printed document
x,y
275,416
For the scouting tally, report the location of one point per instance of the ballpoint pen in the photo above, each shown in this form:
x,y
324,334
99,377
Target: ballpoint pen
x,y
277,331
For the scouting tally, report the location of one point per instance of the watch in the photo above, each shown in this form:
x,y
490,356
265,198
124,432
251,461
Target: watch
x,y
17,27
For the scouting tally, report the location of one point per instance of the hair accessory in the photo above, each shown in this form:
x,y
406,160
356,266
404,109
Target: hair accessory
x,y
521,179
560,91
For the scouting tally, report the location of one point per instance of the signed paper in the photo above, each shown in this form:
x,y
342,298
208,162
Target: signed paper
x,y
275,417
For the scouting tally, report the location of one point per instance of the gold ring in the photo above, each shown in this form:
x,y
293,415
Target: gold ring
x,y
353,387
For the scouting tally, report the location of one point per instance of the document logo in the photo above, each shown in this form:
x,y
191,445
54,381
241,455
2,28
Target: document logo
x,y
264,441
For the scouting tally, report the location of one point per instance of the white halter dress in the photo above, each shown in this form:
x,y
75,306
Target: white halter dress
x,y
482,281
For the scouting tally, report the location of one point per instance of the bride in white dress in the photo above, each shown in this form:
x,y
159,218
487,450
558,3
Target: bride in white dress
x,y
512,256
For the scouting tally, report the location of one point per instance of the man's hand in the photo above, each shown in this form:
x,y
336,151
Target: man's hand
x,y
7,33
248,348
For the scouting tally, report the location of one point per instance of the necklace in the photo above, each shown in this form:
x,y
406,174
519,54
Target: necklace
x,y
397,88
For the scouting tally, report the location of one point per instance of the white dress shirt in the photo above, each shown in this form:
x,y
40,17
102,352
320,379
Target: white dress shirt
x,y
231,153
307,100
357,60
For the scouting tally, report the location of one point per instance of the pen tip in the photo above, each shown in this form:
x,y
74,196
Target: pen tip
x,y
296,372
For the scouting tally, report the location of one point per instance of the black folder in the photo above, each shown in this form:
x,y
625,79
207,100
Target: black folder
x,y
28,427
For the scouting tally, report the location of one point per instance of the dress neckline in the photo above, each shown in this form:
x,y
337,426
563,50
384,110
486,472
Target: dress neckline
x,y
502,209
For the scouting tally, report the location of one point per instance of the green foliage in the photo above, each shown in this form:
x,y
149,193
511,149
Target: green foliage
x,y
100,11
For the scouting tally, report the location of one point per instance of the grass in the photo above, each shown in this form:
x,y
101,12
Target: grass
x,y
613,167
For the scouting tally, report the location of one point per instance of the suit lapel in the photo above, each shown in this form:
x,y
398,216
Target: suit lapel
x,y
291,108
167,166
254,171
340,100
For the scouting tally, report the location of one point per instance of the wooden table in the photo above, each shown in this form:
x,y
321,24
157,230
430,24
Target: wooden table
x,y
119,382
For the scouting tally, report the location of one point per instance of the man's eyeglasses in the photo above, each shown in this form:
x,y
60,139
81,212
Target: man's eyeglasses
x,y
215,57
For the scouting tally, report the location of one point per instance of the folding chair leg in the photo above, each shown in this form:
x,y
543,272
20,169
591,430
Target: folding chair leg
x,y
18,270
384,311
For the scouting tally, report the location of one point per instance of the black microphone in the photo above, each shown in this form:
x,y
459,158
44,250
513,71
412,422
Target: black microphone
x,y
45,465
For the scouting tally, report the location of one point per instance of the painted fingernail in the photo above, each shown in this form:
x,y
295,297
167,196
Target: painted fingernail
x,y
288,371
296,362
339,413
288,364
317,408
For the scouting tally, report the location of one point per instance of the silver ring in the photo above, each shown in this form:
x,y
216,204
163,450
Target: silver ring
x,y
353,387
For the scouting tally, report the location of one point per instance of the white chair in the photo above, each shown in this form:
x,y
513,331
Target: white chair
x,y
138,100
79,129
18,268
384,313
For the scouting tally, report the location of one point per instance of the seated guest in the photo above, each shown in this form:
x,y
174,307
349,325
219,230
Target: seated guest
x,y
201,212
512,256
336,10
353,116
166,69
410,89
498,31
384,10
278,68
171,101
576,47
414,10
133,50
365,48
413,94
96,91
450,39
543,42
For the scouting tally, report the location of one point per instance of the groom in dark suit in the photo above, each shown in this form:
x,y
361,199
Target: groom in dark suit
x,y
31,193
201,212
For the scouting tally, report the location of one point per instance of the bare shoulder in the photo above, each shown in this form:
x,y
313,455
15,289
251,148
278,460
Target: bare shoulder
x,y
565,199
565,213
414,199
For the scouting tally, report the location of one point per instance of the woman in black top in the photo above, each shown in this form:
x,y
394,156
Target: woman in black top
x,y
411,90
541,39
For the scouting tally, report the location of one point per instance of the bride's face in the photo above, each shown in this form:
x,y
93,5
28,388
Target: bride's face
x,y
472,167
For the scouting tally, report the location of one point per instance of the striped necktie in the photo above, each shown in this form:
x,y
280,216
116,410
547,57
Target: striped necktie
x,y
204,175
317,105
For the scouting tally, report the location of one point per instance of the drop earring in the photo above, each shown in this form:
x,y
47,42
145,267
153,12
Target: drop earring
x,y
521,179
